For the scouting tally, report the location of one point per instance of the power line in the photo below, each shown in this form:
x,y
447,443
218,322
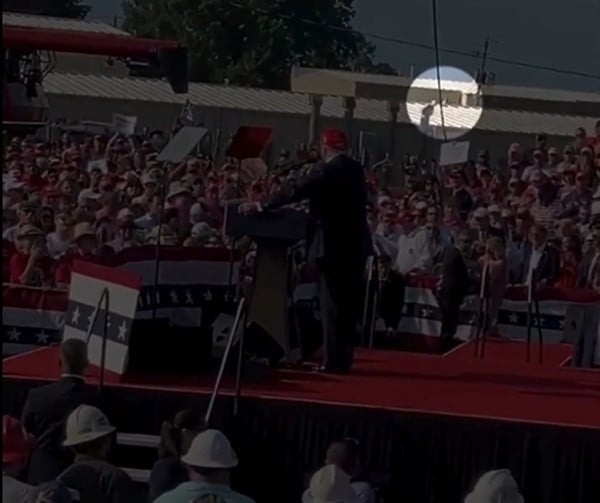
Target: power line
x,y
420,45
437,65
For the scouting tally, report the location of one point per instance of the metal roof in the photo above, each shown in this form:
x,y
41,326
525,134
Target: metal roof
x,y
266,100
58,23
324,81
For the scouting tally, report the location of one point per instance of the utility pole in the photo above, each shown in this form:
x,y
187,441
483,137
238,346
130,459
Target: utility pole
x,y
482,76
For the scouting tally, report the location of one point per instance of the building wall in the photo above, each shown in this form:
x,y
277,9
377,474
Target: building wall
x,y
288,130
67,62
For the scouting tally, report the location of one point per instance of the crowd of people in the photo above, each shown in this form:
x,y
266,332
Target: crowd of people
x,y
59,452
531,217
58,202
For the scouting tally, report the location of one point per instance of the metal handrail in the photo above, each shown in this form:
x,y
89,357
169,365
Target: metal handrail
x,y
232,332
104,297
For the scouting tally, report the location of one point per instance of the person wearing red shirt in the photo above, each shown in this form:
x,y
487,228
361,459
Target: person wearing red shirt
x,y
85,246
31,265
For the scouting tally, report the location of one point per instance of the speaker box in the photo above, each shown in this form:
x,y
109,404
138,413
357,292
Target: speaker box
x,y
174,66
157,347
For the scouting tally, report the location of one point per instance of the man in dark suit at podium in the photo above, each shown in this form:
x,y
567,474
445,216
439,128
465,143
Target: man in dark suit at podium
x,y
338,241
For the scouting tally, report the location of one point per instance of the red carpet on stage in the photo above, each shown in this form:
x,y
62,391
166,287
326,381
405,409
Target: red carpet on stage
x,y
501,386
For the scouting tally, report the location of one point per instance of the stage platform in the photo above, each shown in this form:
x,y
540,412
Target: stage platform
x,y
434,421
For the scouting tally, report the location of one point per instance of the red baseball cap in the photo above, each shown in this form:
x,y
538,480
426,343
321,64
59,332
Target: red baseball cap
x,y
17,444
335,139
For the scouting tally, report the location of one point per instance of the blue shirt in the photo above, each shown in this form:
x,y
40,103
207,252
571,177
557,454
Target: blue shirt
x,y
190,491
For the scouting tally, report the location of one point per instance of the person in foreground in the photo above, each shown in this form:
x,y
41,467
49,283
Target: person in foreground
x,y
47,408
345,455
338,241
17,445
495,486
91,437
209,462
175,439
330,485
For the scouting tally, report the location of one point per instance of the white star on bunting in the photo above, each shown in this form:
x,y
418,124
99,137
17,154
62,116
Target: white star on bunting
x,y
90,320
208,296
14,334
174,298
188,297
426,312
513,318
42,337
122,331
75,317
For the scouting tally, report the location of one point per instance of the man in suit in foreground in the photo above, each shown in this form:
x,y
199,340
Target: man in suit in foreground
x,y
454,286
338,241
46,410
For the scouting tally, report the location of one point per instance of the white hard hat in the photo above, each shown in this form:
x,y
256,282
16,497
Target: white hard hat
x,y
331,485
86,423
211,449
493,486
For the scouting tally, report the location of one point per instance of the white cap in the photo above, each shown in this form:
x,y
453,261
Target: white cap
x,y
480,212
493,486
421,205
12,184
88,195
176,189
493,208
86,423
331,485
201,230
124,214
211,449
196,212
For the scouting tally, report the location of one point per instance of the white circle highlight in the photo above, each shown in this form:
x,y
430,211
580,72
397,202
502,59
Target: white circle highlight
x,y
460,107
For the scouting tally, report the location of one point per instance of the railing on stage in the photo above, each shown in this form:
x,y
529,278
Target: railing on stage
x,y
239,315
104,298
534,305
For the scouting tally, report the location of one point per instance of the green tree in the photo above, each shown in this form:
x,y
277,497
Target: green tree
x,y
58,8
252,42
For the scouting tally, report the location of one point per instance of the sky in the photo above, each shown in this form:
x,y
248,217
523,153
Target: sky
x,y
553,33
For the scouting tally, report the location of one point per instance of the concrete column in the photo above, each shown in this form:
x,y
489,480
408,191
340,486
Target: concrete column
x,y
349,107
315,118
393,110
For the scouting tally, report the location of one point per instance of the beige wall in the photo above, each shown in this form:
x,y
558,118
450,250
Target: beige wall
x,y
67,62
289,130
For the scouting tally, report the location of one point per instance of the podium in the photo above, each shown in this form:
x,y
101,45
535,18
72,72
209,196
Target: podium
x,y
274,232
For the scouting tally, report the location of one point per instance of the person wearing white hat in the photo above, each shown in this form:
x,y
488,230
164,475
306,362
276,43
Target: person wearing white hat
x,y
330,485
209,461
84,247
495,486
482,230
91,437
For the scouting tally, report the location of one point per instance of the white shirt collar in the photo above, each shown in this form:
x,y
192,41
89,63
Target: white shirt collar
x,y
73,376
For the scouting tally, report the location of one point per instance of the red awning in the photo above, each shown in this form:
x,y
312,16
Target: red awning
x,y
81,42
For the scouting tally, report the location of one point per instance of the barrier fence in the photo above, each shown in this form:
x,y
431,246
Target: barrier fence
x,y
192,279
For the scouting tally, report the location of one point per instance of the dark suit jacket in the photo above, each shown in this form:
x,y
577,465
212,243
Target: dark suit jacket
x,y
491,232
337,194
44,415
548,267
455,277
